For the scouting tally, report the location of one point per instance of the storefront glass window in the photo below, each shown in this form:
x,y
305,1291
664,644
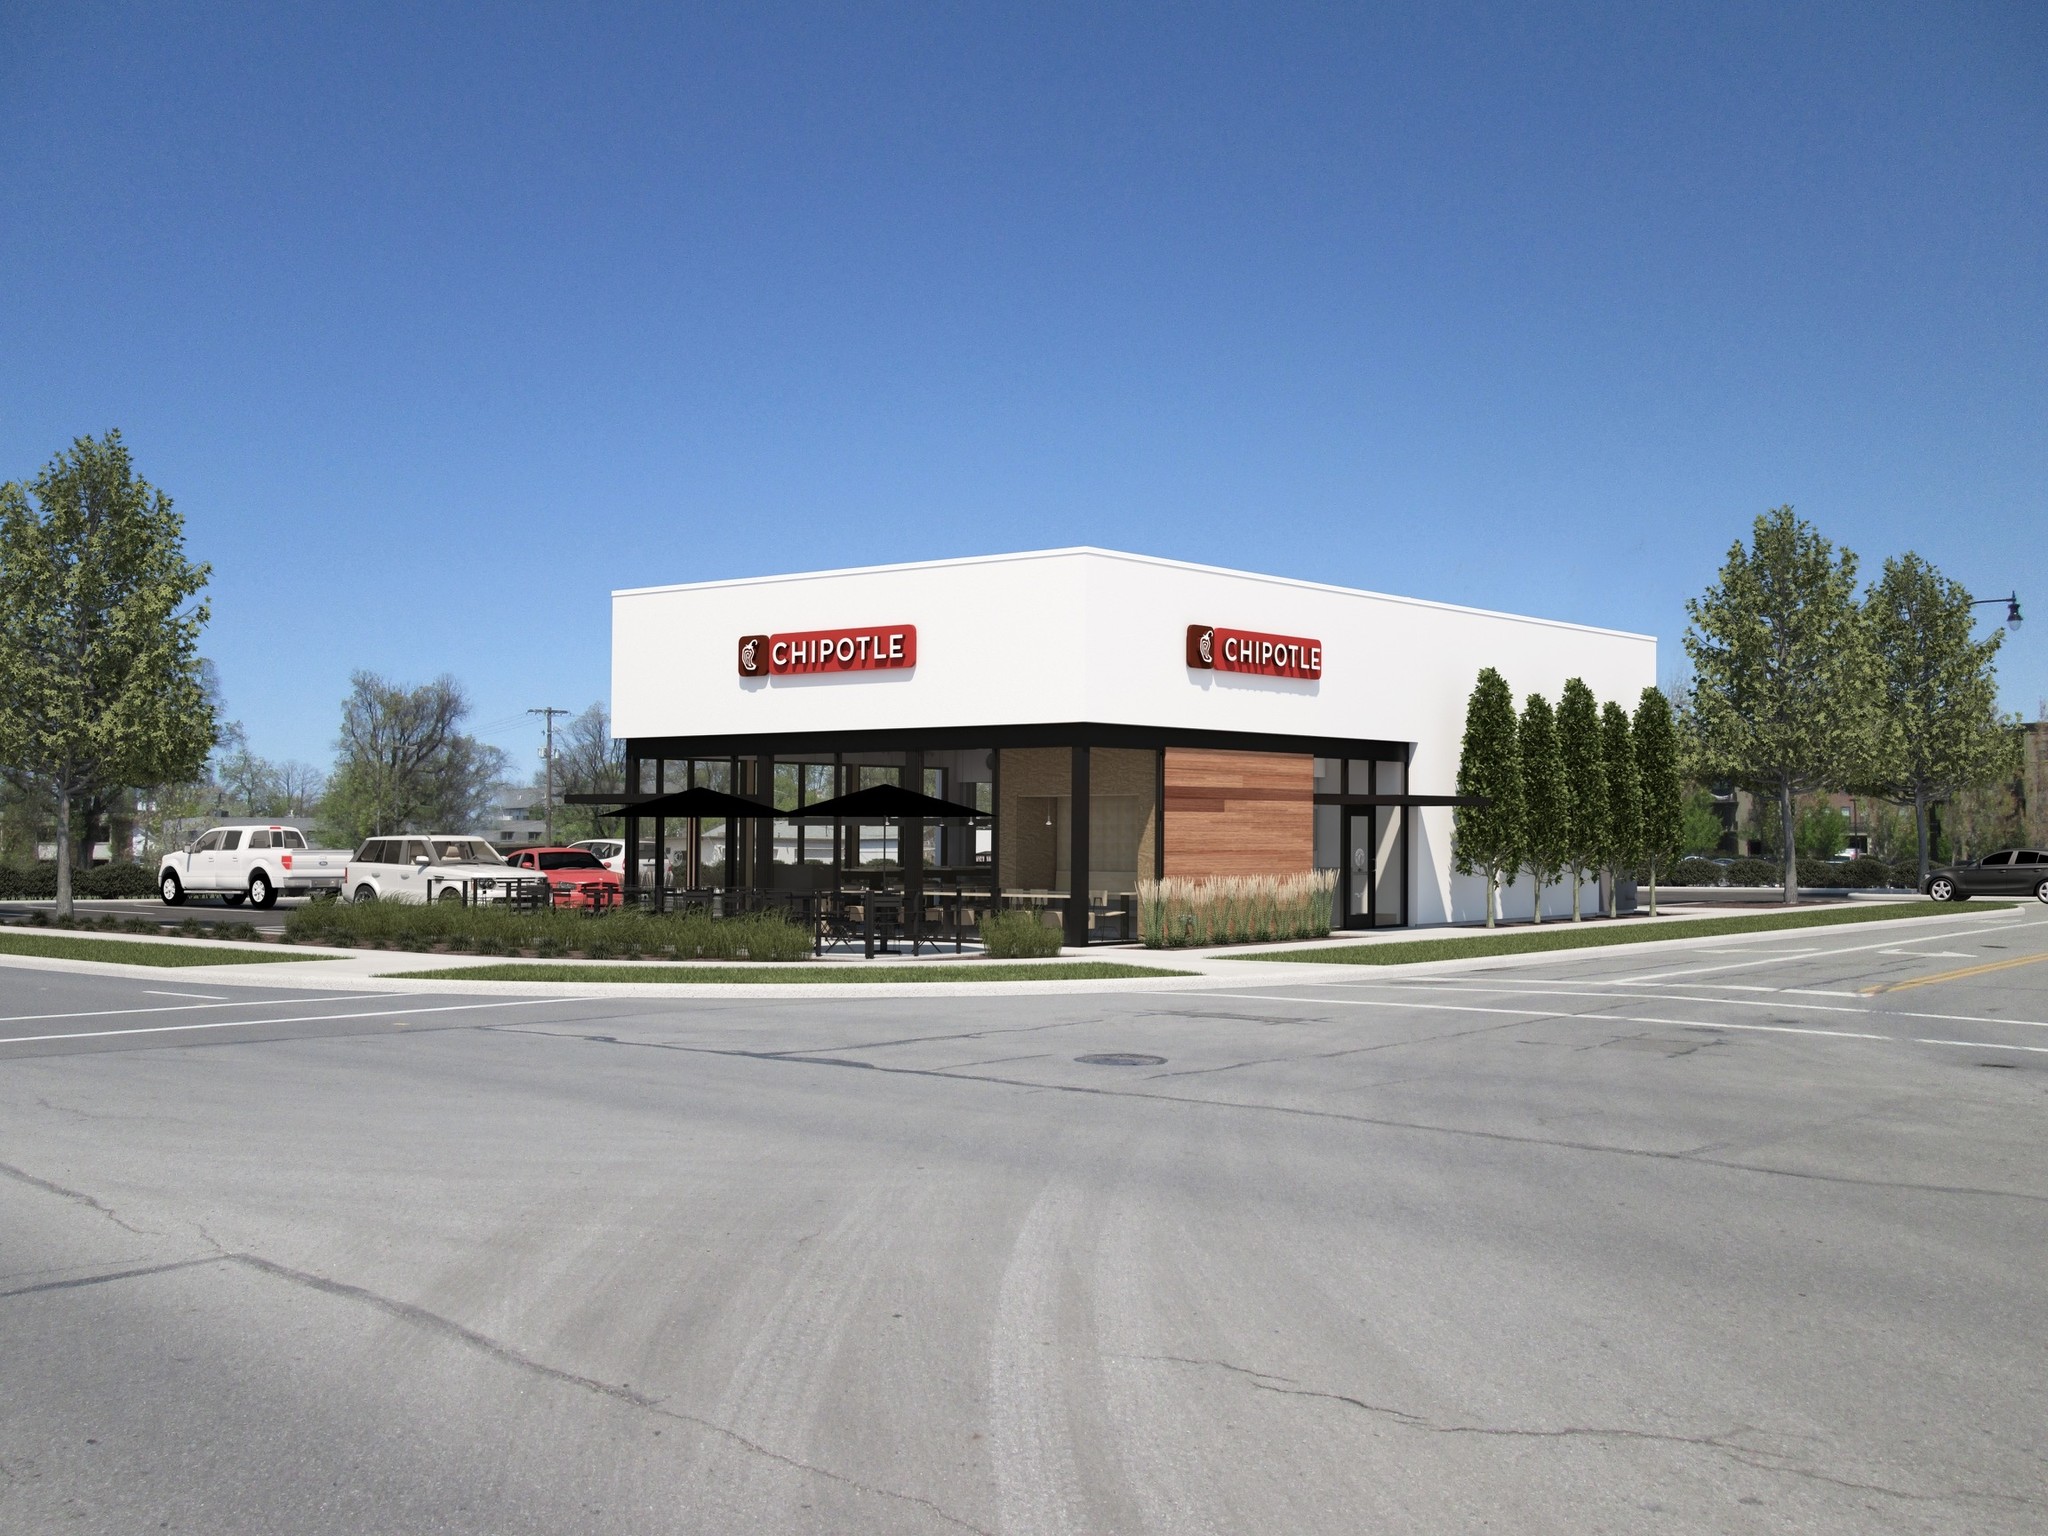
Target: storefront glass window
x,y
1034,820
1123,820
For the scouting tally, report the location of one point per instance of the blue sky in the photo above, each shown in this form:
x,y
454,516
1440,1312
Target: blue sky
x,y
440,323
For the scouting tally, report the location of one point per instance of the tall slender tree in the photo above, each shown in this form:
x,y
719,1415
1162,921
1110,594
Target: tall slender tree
x,y
1782,669
1940,728
1486,838
1543,798
1622,849
1662,807
100,676
1585,784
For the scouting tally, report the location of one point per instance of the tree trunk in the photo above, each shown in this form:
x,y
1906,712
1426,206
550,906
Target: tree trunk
x,y
1536,901
1577,879
64,845
1489,895
1653,886
1920,827
1791,846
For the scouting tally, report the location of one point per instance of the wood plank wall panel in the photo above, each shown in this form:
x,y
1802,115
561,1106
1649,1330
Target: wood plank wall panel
x,y
1239,813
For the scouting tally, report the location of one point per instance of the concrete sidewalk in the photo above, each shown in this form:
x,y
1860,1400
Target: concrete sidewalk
x,y
350,970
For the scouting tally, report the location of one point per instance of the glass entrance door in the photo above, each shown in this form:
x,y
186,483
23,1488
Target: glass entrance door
x,y
1358,880
1375,867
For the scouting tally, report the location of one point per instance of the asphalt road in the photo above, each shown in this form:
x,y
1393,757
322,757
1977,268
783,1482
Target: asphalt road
x,y
1714,1240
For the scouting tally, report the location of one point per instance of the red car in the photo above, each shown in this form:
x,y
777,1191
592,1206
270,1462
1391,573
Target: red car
x,y
576,875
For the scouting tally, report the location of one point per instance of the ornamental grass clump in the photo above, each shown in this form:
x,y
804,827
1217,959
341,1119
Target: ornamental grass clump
x,y
1019,935
497,930
1183,913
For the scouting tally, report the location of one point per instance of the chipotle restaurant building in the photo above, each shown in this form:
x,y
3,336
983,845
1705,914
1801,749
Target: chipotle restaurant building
x,y
1110,717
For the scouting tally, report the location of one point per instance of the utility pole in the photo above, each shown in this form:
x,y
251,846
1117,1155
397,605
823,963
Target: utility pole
x,y
548,713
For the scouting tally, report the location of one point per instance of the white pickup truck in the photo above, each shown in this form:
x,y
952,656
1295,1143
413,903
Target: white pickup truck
x,y
252,862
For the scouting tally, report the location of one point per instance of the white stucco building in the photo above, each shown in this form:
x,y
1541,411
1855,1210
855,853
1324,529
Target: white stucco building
x,y
1113,715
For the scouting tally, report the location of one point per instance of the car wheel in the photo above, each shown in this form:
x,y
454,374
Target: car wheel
x,y
233,898
447,896
1941,888
173,892
365,893
2041,891
262,893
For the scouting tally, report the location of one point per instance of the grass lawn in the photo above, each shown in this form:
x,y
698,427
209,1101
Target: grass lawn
x,y
64,946
989,970
1569,935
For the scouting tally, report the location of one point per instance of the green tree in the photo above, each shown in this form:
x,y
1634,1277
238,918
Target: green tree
x,y
1486,837
1543,797
1700,826
1940,729
1585,784
404,763
1820,831
1656,743
1782,670
1622,850
100,682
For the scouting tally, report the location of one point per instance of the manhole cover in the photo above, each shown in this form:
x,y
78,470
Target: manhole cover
x,y
1121,1059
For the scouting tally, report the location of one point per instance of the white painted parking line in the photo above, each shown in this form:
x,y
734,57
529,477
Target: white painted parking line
x,y
1986,1045
253,1002
1779,1001
304,1018
202,997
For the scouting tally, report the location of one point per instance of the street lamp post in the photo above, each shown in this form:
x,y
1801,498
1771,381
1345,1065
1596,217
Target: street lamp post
x,y
2012,607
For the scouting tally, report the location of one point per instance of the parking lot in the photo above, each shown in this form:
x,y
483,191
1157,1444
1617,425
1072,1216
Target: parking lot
x,y
1744,1235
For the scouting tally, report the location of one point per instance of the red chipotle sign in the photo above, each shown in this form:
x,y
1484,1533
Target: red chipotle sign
x,y
1246,650
873,649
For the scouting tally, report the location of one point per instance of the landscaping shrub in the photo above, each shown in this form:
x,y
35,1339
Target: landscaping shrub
x,y
1019,935
492,930
38,882
1234,909
1686,872
1814,874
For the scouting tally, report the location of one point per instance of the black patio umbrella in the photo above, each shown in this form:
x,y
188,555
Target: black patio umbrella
x,y
695,802
884,802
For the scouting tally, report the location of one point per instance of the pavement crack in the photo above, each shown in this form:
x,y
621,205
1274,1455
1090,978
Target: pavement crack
x,y
1729,1442
116,1274
448,1328
78,1196
1295,1111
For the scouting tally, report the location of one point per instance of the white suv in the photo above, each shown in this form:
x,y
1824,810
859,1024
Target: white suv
x,y
435,867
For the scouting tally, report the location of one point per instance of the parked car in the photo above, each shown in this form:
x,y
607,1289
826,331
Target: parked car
x,y
436,866
578,876
608,851
2008,872
255,863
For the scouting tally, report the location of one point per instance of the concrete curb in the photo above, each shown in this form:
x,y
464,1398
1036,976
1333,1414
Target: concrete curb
x,y
370,971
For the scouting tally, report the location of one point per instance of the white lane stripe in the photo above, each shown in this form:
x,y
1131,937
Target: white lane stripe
x,y
1783,1029
1536,1016
1799,954
253,1002
203,997
304,1018
1985,1045
1507,989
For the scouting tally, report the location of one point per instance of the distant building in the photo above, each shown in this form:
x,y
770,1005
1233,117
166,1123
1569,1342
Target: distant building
x,y
2034,783
510,819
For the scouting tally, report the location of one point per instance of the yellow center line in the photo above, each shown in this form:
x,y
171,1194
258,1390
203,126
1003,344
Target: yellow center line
x,y
1957,975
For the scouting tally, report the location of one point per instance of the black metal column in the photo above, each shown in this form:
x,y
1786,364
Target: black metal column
x,y
630,864
1077,854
